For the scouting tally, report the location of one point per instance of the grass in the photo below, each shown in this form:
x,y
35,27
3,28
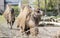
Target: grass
x,y
2,19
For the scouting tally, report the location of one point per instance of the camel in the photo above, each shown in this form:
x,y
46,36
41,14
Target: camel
x,y
9,15
28,19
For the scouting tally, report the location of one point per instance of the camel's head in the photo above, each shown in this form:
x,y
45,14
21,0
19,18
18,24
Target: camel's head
x,y
38,13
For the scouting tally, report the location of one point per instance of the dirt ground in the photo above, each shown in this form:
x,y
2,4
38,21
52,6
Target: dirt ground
x,y
44,32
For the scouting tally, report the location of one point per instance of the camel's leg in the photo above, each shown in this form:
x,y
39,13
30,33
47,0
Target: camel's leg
x,y
7,21
34,31
22,29
10,25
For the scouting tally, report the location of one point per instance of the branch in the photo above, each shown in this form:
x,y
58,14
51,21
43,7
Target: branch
x,y
49,23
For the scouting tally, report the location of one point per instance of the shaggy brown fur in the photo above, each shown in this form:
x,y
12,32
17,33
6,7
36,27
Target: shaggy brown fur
x,y
27,20
22,17
9,15
32,21
37,15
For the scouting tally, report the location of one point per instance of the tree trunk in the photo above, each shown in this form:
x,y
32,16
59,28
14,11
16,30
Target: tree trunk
x,y
49,23
38,4
45,7
58,7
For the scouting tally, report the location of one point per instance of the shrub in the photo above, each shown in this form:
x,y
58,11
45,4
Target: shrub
x,y
16,10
